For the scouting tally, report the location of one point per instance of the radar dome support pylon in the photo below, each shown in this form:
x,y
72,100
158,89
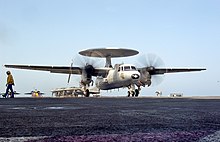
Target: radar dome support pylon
x,y
108,62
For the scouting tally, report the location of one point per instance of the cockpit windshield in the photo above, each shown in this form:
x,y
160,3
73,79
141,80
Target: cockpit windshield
x,y
129,68
133,68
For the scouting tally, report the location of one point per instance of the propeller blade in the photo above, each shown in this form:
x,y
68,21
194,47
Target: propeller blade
x,y
151,61
71,65
83,61
69,79
157,79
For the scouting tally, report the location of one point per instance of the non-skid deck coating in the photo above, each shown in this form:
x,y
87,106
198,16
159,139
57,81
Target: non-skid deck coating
x,y
109,119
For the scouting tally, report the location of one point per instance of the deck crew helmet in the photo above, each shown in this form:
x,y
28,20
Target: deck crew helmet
x,y
8,72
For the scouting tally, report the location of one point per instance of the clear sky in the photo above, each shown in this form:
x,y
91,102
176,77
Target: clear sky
x,y
184,33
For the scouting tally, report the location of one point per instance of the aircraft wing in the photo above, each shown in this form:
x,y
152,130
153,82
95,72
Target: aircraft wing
x,y
59,69
160,71
16,93
9,92
28,93
52,69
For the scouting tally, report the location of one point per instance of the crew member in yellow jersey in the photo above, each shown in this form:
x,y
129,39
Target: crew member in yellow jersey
x,y
10,83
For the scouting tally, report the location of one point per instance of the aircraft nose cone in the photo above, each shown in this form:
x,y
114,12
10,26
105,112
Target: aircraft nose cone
x,y
135,76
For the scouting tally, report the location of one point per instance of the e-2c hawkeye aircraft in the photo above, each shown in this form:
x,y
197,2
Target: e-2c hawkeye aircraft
x,y
109,77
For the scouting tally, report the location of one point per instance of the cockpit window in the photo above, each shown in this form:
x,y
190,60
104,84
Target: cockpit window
x,y
127,68
119,69
133,68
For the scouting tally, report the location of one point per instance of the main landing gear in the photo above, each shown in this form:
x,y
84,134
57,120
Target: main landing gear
x,y
87,93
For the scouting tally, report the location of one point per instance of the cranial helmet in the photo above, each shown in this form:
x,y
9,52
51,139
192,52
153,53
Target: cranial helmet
x,y
8,72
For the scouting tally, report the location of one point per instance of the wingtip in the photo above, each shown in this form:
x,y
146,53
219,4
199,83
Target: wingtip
x,y
6,66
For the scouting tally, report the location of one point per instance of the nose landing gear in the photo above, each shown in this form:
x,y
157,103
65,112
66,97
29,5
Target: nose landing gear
x,y
132,92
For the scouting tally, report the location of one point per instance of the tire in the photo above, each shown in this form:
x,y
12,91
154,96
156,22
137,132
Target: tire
x,y
87,93
129,93
132,93
136,92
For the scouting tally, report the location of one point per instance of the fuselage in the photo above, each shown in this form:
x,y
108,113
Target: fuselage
x,y
120,76
36,94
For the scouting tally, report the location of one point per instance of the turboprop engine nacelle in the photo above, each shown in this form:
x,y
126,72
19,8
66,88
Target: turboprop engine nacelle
x,y
145,78
86,77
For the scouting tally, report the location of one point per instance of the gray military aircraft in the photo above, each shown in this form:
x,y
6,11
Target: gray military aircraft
x,y
109,77
9,94
35,93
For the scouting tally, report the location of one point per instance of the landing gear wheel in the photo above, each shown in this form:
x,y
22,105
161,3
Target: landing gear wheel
x,y
87,93
129,93
136,92
132,93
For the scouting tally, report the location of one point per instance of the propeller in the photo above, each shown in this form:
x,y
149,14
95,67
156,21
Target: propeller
x,y
151,62
83,61
87,64
71,65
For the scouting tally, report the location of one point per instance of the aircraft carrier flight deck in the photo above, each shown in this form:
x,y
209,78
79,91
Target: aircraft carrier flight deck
x,y
110,119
